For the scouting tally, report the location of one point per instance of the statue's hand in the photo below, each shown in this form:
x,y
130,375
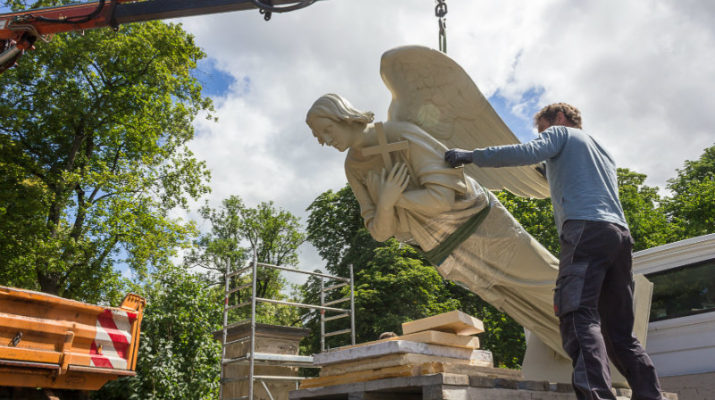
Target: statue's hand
x,y
457,157
393,184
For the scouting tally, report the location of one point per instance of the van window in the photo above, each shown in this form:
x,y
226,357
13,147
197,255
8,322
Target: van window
x,y
683,291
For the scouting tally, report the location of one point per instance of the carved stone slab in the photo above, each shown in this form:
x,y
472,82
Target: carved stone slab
x,y
454,321
442,338
397,346
394,360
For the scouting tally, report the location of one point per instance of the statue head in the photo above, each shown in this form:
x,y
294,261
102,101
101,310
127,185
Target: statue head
x,y
335,122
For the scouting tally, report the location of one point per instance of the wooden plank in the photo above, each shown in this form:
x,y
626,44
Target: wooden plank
x,y
454,322
394,360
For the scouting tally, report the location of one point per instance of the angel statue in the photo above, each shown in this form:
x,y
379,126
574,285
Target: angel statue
x,y
406,190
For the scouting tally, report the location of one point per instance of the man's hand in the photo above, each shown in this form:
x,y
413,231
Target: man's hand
x,y
457,157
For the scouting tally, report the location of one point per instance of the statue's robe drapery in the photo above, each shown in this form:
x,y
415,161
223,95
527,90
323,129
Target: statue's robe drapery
x,y
499,261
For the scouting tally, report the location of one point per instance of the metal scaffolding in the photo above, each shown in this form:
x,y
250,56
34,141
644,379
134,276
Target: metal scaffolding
x,y
283,360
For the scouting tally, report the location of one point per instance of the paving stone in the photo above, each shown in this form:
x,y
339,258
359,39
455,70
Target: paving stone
x,y
539,386
455,379
506,383
561,387
432,392
482,382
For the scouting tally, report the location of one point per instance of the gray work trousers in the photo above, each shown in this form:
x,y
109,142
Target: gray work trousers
x,y
594,302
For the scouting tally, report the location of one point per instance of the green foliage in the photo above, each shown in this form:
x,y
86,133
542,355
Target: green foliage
x,y
536,216
693,203
178,355
334,228
646,217
236,233
94,128
395,286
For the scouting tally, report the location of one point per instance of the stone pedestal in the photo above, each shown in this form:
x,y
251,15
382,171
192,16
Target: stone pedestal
x,y
446,386
270,339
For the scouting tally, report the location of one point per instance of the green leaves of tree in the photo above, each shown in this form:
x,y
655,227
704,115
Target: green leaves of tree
x,y
642,205
236,233
693,203
94,130
178,356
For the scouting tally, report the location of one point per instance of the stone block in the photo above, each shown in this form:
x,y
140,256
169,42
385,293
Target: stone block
x,y
441,338
538,386
561,387
378,349
454,321
502,383
482,382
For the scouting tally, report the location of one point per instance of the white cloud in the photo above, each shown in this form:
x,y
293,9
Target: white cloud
x,y
641,72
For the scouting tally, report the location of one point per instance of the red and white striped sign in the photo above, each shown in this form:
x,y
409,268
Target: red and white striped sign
x,y
111,342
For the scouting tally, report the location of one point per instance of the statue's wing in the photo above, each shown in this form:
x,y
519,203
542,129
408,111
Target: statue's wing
x,y
430,90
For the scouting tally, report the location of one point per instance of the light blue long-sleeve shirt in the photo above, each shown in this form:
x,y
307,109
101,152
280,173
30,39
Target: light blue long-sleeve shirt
x,y
581,173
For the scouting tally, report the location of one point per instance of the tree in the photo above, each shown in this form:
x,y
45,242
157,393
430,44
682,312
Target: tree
x,y
395,286
334,228
647,220
179,358
94,128
236,233
536,216
692,206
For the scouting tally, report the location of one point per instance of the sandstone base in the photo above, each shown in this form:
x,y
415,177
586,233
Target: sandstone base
x,y
446,386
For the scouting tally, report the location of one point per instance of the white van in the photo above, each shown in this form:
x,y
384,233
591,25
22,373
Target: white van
x,y
681,332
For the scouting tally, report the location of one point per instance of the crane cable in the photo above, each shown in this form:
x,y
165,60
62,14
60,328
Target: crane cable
x,y
440,10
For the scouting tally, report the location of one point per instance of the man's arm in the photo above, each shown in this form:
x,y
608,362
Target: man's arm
x,y
547,145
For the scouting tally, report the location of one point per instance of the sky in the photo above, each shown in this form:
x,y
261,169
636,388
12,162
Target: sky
x,y
641,72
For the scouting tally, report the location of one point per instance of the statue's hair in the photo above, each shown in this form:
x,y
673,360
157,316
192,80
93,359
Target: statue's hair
x,y
572,114
337,108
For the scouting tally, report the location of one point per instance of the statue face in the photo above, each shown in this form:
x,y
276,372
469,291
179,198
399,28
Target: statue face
x,y
334,134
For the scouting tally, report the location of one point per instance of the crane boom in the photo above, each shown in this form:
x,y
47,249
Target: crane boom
x,y
19,30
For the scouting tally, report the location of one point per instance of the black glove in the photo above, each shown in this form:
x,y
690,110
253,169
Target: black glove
x,y
457,157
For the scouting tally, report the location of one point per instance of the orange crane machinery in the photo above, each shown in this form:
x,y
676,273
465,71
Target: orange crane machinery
x,y
51,342
20,30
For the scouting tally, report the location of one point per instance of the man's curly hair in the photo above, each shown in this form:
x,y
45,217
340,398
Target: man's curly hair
x,y
549,113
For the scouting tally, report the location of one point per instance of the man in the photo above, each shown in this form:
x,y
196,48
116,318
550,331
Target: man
x,y
594,290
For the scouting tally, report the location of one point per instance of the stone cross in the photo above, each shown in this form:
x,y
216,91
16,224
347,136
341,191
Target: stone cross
x,y
383,148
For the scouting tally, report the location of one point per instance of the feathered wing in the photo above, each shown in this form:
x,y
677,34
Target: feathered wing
x,y
432,91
